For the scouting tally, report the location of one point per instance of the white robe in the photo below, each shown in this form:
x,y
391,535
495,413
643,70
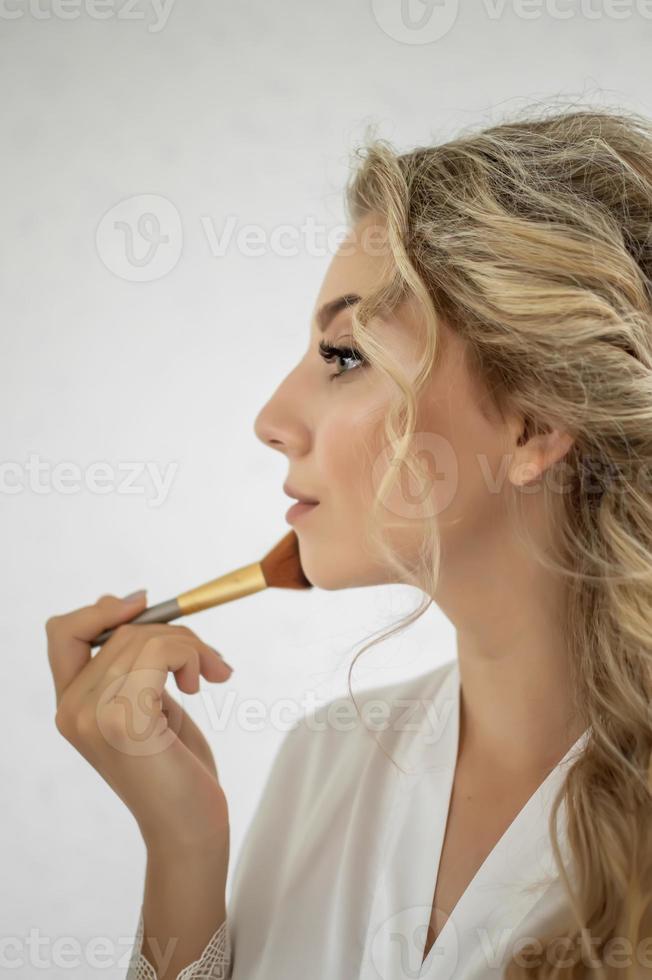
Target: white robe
x,y
336,875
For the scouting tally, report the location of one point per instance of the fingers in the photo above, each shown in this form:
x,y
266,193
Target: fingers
x,y
119,654
159,654
69,635
126,706
163,651
189,733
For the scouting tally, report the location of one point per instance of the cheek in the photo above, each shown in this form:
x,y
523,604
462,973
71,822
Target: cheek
x,y
469,482
342,460
456,471
347,445
335,549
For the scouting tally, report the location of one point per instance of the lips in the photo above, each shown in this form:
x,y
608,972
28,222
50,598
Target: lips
x,y
302,498
299,510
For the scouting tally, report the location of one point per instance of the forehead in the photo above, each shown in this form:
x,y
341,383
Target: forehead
x,y
362,261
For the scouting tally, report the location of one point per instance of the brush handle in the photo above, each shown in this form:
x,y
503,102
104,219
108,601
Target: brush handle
x,y
234,585
162,612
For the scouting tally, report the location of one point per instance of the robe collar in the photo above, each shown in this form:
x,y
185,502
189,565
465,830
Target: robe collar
x,y
506,888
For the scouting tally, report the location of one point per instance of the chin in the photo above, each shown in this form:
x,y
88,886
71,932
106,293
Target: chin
x,y
324,572
323,578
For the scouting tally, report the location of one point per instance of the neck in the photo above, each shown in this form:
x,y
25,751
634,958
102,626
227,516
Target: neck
x,y
517,709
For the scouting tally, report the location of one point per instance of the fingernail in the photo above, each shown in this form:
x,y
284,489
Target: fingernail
x,y
135,596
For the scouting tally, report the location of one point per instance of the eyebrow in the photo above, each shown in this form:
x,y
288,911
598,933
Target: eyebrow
x,y
329,310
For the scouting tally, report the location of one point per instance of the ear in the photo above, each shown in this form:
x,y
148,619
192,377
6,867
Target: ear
x,y
535,451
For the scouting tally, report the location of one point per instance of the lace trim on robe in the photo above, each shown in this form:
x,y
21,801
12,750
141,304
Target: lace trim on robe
x,y
213,964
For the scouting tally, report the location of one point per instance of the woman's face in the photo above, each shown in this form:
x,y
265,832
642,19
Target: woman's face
x,y
331,430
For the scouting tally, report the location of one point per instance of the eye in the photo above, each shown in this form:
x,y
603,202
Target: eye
x,y
342,354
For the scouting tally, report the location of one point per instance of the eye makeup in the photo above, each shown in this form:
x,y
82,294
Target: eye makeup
x,y
331,352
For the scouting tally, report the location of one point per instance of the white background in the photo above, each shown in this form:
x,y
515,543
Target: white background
x,y
244,113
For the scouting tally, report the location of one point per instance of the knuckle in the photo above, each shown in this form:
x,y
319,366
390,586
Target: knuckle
x,y
52,624
124,631
62,722
155,644
116,671
85,723
106,600
113,723
75,726
185,631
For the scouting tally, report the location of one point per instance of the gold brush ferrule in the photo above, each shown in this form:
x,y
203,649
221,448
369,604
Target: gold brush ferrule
x,y
234,585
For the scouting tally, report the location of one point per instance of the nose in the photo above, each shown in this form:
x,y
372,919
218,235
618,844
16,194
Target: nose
x,y
279,424
265,432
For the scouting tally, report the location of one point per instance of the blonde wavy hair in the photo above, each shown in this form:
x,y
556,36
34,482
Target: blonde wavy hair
x,y
532,239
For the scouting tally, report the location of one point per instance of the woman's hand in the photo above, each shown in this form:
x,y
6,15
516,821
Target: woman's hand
x,y
114,708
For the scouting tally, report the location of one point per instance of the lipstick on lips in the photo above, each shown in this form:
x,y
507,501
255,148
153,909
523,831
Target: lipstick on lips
x,y
298,509
304,505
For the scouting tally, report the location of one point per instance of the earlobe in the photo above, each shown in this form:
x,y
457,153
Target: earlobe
x,y
524,472
556,445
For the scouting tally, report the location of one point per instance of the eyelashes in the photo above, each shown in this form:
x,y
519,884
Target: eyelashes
x,y
331,353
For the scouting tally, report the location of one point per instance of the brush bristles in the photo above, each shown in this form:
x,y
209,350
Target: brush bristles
x,y
282,565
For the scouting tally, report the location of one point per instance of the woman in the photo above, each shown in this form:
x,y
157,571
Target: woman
x,y
472,417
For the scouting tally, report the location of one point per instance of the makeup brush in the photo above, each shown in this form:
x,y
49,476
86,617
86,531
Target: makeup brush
x,y
280,569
